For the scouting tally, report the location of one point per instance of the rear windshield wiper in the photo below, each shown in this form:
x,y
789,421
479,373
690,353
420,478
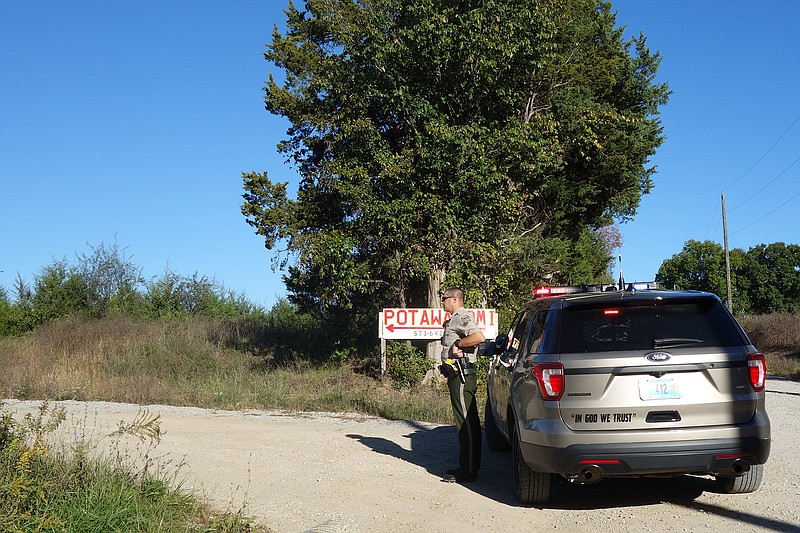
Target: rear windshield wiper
x,y
674,342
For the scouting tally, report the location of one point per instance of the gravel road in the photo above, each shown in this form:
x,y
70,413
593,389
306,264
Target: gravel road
x,y
342,473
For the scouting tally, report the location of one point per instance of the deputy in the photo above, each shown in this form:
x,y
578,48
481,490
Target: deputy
x,y
459,341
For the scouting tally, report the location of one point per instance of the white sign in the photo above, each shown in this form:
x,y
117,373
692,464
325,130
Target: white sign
x,y
428,323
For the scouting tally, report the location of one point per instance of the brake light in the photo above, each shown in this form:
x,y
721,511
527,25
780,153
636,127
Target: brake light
x,y
611,312
551,379
757,367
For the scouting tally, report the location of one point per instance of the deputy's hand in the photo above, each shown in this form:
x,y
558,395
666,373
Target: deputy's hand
x,y
456,352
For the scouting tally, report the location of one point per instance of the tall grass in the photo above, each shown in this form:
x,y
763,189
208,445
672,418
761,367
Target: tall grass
x,y
213,363
199,362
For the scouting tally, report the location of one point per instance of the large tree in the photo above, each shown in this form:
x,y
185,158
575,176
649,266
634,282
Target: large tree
x,y
483,142
699,266
771,278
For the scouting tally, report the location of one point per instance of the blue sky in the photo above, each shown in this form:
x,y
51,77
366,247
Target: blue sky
x,y
133,121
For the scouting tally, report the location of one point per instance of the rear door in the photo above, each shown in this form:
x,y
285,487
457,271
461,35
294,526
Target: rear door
x,y
653,363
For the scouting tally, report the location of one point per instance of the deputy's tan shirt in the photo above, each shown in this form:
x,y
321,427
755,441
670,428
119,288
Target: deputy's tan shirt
x,y
461,324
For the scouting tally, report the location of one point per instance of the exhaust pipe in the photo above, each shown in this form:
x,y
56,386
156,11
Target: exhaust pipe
x,y
740,467
590,474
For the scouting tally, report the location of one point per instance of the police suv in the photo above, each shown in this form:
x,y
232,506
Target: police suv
x,y
593,382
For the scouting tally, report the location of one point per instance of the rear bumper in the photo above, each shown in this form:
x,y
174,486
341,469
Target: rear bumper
x,y
721,456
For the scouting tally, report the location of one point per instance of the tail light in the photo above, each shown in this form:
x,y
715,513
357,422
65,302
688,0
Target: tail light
x,y
551,379
757,367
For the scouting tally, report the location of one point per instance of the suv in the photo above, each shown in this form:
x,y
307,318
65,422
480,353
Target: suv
x,y
591,383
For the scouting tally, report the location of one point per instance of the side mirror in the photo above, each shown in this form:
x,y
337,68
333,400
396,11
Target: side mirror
x,y
491,347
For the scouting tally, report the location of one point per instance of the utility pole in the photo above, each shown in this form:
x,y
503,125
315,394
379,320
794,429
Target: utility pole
x,y
727,254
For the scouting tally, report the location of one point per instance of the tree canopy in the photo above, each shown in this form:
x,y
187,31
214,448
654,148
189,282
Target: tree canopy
x,y
483,143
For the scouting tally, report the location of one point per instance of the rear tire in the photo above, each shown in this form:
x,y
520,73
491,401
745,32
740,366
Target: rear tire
x,y
749,482
494,439
530,486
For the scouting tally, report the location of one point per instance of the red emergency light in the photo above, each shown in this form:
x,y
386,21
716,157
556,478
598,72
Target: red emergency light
x,y
548,292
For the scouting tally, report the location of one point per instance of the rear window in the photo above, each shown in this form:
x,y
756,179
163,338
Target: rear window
x,y
647,325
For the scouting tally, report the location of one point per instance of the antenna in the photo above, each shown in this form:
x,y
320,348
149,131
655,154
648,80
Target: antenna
x,y
621,277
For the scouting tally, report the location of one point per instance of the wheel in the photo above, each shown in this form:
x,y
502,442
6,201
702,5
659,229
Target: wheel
x,y
748,482
494,439
530,486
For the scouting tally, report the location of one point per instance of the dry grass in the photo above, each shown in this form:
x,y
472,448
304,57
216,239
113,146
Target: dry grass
x,y
190,362
778,331
778,337
183,362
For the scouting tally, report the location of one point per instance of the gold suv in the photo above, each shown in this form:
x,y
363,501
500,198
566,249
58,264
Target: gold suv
x,y
592,383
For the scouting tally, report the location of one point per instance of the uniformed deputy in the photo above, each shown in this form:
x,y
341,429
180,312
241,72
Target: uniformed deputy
x,y
459,341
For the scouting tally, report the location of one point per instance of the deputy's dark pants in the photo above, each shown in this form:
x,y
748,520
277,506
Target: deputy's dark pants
x,y
468,423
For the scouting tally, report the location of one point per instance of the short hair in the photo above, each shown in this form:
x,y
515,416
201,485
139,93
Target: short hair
x,y
455,292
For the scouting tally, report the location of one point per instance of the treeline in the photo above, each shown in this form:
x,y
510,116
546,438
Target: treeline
x,y
764,279
105,281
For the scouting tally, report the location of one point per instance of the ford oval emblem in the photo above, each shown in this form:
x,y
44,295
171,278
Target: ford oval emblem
x,y
658,357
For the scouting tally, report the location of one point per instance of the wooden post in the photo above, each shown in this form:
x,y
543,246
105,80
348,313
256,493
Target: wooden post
x,y
727,254
383,356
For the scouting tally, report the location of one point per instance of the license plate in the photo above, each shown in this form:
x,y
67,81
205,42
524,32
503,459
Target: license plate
x,y
659,389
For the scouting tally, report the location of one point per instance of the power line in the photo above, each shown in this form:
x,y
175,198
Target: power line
x,y
763,155
793,163
746,172
710,222
765,216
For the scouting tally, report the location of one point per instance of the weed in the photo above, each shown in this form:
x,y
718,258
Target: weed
x,y
47,487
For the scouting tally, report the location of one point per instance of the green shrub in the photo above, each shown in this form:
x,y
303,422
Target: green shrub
x,y
111,277
12,318
59,291
406,365
173,295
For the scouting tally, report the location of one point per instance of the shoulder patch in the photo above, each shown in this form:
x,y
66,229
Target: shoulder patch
x,y
465,320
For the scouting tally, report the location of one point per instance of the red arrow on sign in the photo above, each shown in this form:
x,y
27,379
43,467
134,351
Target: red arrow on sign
x,y
392,327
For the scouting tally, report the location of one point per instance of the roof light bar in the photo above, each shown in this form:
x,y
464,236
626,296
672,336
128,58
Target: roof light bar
x,y
550,291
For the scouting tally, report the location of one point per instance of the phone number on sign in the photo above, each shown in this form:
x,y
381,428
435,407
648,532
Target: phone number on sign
x,y
428,334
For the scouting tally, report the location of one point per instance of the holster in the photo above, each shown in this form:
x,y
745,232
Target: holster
x,y
449,369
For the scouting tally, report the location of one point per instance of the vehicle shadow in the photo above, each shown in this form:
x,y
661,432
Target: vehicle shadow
x,y
436,449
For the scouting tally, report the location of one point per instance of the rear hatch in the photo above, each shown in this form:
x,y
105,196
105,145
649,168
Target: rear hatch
x,y
652,362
